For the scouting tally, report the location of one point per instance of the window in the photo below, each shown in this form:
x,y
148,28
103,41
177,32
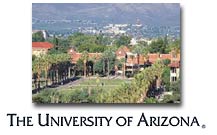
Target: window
x,y
173,70
174,79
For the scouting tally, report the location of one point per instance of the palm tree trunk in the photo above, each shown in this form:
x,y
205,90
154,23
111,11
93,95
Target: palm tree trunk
x,y
38,80
108,68
85,69
103,67
46,78
57,76
52,77
69,72
94,68
124,70
74,71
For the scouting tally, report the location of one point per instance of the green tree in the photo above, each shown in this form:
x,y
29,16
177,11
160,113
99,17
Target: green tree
x,y
38,37
98,66
85,58
166,77
90,43
158,46
138,50
109,58
166,62
175,86
123,40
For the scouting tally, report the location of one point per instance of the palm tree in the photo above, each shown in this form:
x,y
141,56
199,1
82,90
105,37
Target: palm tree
x,y
85,57
145,53
147,78
108,56
47,65
56,60
132,58
138,50
37,67
123,63
94,59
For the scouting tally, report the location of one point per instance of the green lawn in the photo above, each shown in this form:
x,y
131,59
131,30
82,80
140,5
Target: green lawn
x,y
105,84
104,81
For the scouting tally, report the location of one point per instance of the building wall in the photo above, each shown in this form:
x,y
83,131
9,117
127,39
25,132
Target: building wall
x,y
174,75
39,51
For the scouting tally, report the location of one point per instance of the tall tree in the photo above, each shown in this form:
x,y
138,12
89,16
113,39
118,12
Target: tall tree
x,y
138,50
85,57
38,37
157,46
123,40
109,57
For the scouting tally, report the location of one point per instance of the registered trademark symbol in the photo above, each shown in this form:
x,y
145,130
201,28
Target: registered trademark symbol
x,y
203,126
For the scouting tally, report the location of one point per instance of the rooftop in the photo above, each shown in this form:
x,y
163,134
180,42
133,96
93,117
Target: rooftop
x,y
45,45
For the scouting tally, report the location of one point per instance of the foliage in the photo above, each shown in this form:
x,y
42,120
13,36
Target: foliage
x,y
166,78
174,46
176,96
80,65
52,66
175,86
90,43
166,62
134,92
33,57
143,43
158,46
98,66
61,45
108,57
38,37
123,40
138,49
151,100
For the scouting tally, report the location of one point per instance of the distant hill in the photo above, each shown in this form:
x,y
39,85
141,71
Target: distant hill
x,y
151,14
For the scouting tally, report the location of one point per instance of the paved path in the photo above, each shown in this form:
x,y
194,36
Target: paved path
x,y
73,83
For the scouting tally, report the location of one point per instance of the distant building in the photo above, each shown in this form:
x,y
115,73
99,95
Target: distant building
x,y
76,55
133,41
132,62
174,66
174,71
139,62
122,52
39,48
148,41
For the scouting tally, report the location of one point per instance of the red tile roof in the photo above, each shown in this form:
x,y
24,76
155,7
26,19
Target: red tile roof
x,y
76,56
165,56
126,49
121,52
45,45
174,64
153,57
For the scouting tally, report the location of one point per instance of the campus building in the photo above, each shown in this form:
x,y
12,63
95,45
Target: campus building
x,y
76,55
134,62
40,48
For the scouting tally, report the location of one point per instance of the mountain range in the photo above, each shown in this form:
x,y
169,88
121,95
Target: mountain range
x,y
148,13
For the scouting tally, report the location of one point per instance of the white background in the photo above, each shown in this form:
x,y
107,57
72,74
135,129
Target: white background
x,y
199,50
